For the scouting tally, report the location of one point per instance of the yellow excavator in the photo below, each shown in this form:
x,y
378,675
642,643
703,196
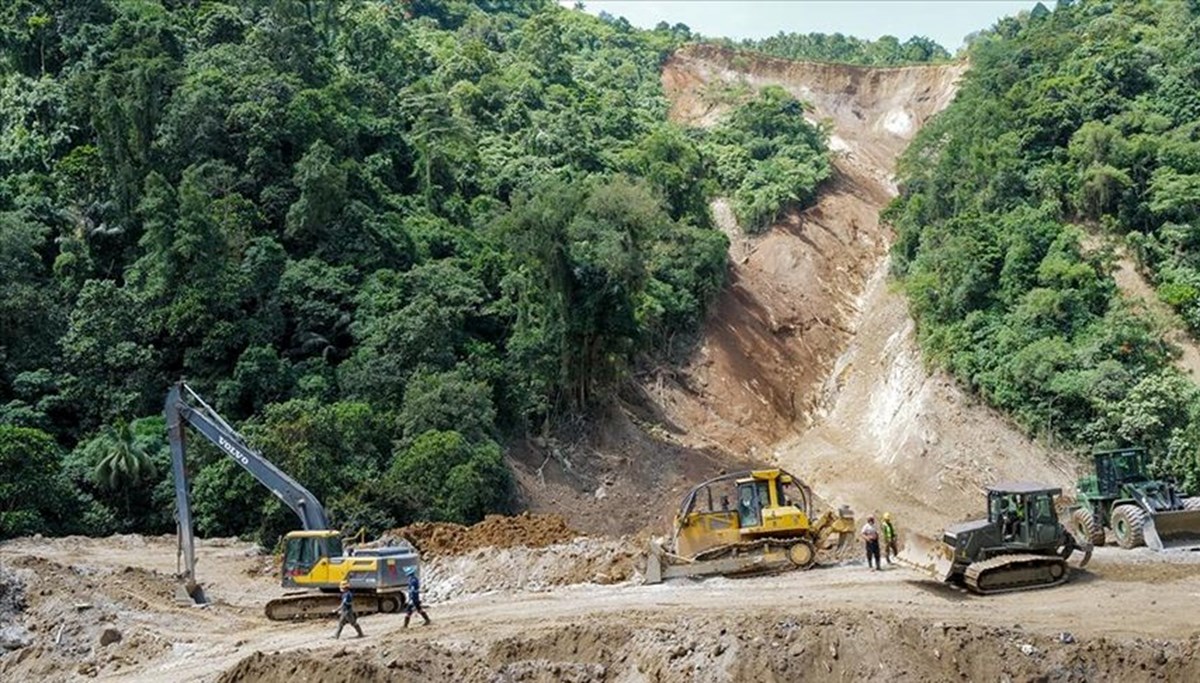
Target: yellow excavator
x,y
769,528
313,559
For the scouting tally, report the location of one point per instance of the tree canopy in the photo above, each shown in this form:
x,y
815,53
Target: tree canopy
x,y
1072,126
382,237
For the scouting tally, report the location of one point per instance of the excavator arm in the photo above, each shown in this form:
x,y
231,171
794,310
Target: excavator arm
x,y
184,405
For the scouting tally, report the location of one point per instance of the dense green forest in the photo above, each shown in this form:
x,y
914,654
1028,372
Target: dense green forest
x,y
382,237
835,47
1073,126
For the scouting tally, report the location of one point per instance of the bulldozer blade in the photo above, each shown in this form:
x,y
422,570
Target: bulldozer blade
x,y
926,555
654,562
1179,530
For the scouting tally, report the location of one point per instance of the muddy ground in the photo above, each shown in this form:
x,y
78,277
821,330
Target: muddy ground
x,y
101,609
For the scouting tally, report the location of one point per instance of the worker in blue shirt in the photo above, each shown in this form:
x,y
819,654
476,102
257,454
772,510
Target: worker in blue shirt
x,y
414,597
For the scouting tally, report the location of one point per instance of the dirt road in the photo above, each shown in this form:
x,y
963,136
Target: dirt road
x,y
844,622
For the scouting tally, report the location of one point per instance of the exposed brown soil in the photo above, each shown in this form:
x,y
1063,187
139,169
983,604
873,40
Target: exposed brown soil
x,y
435,539
826,645
836,622
619,472
810,358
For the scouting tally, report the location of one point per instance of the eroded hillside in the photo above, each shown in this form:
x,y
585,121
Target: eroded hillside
x,y
808,357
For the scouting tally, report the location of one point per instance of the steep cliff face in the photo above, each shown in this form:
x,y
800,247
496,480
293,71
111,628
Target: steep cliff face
x,y
808,357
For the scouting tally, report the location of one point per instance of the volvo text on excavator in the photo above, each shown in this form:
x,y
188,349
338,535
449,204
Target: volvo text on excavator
x,y
313,559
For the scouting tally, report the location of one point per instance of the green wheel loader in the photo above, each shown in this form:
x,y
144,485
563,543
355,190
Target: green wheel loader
x,y
1139,509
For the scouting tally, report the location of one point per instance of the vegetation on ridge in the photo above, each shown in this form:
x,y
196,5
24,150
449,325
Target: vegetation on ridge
x,y
1084,119
382,236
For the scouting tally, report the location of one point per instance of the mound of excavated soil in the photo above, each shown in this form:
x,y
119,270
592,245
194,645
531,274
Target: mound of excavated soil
x,y
75,618
435,539
582,560
821,646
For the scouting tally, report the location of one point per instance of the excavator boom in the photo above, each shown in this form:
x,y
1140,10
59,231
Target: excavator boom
x,y
185,406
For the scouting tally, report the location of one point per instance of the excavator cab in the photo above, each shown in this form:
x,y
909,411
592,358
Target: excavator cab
x,y
303,551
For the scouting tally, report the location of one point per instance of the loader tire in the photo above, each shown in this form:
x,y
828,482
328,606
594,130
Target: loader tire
x,y
1127,523
1087,527
1191,503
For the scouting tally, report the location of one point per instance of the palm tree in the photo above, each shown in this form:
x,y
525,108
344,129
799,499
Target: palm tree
x,y
124,463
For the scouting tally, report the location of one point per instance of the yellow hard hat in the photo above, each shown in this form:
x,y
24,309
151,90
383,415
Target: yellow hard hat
x,y
887,516
344,585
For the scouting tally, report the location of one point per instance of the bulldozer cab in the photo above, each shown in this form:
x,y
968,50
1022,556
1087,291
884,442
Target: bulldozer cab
x,y
759,497
1025,514
763,502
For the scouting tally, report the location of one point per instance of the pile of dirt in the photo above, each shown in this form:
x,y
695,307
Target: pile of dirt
x,y
13,634
437,539
829,645
77,619
487,570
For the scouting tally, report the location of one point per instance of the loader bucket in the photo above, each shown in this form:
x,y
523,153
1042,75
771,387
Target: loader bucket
x,y
1179,530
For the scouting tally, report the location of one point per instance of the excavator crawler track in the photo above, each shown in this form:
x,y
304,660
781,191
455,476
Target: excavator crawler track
x,y
324,605
1011,573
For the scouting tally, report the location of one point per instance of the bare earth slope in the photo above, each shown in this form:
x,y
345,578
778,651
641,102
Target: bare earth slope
x,y
808,356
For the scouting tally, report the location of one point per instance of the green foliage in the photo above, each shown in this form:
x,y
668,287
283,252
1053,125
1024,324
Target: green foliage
x,y
125,463
30,488
454,216
769,158
444,477
123,475
1074,116
835,47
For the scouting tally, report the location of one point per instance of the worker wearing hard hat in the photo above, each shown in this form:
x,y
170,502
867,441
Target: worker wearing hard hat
x,y
345,611
889,538
414,596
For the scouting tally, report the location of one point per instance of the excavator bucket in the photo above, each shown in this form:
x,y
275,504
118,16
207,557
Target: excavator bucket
x,y
1179,530
189,594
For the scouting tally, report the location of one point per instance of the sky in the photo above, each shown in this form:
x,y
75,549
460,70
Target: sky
x,y
945,21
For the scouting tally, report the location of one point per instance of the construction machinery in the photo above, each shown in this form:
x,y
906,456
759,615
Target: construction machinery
x,y
1141,510
1021,545
769,528
313,559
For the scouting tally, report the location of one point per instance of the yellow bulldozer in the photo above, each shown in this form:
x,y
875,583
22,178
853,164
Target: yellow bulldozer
x,y
768,528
